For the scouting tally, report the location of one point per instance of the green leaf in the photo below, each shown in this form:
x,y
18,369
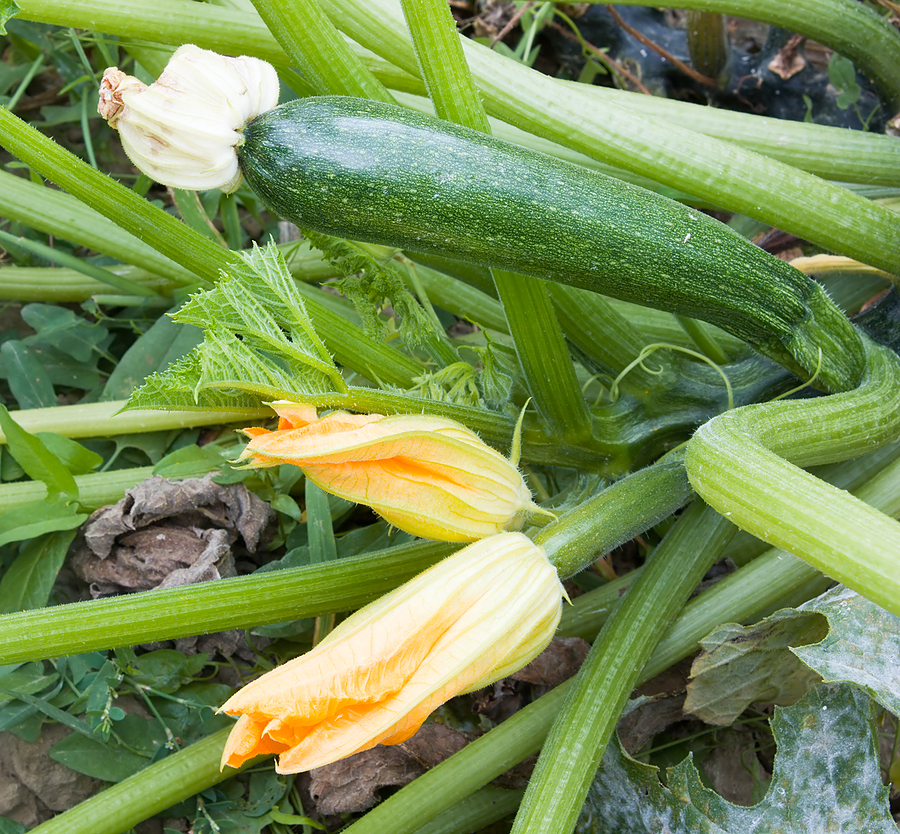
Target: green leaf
x,y
164,343
8,9
78,459
862,645
29,580
165,670
192,212
64,330
62,369
99,696
37,518
39,463
826,779
29,678
8,826
189,461
842,75
259,344
112,762
93,757
28,380
318,524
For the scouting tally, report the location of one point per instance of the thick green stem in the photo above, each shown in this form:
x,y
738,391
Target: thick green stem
x,y
52,284
318,49
94,490
105,419
162,231
442,64
547,367
61,215
739,463
616,515
770,580
148,792
578,739
543,356
605,336
243,602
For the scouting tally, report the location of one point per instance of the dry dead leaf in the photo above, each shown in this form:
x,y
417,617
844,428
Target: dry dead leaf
x,y
351,785
789,60
163,534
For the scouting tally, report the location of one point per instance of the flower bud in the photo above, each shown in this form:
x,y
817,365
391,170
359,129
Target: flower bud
x,y
427,475
473,618
182,130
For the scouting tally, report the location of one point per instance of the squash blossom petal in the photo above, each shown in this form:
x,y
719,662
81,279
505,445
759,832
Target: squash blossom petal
x,y
183,129
427,475
470,620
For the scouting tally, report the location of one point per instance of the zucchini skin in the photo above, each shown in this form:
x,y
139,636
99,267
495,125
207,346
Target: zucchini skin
x,y
379,173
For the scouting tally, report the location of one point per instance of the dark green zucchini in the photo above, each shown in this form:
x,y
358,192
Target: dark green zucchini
x,y
375,172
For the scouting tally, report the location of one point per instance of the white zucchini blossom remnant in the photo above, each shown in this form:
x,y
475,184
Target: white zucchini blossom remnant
x,y
183,130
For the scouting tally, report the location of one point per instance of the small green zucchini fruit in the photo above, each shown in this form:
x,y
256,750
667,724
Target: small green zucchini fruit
x,y
375,172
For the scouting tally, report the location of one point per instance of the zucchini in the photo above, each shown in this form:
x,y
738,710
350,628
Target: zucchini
x,y
375,172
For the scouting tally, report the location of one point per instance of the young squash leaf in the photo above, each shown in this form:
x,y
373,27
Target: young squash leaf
x,y
259,345
372,286
826,779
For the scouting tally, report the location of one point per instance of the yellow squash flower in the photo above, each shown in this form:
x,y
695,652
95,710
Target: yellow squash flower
x,y
427,475
470,620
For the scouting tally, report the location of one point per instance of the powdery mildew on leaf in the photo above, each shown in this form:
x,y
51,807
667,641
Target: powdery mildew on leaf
x,y
741,664
839,637
826,780
862,645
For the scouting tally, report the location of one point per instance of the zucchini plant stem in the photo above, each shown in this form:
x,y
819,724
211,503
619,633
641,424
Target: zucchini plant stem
x,y
740,463
546,365
579,736
150,791
107,419
102,275
60,214
317,48
60,284
193,251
